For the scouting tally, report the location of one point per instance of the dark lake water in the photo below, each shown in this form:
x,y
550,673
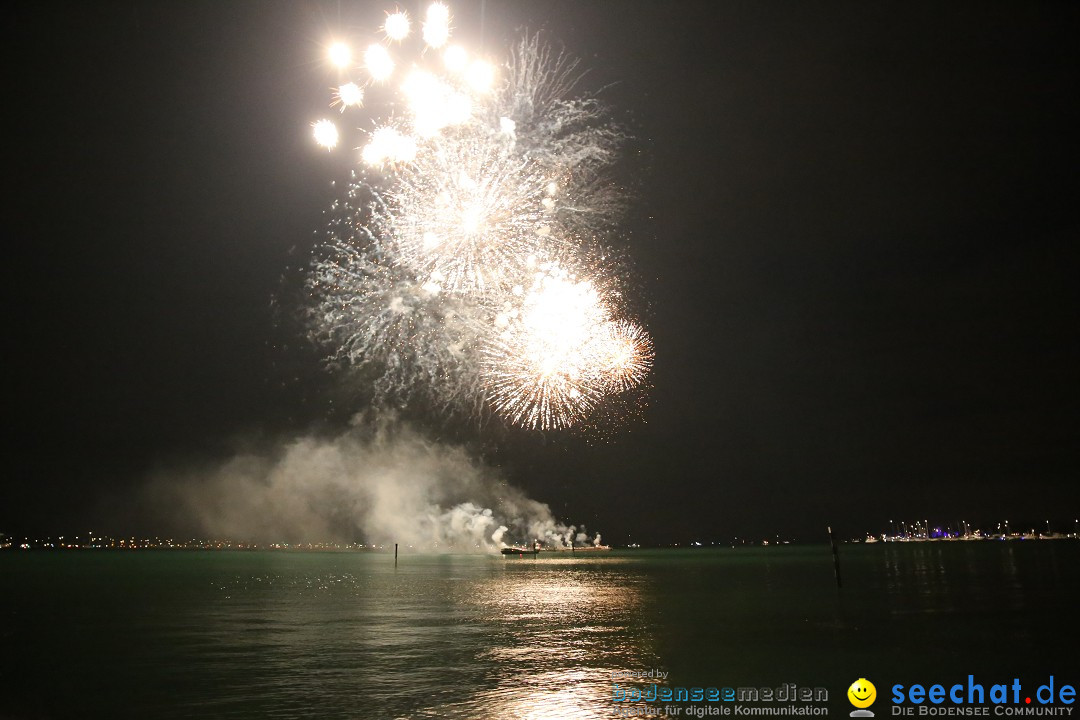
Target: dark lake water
x,y
163,634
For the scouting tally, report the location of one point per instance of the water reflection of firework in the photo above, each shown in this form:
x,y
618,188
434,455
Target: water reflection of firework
x,y
432,284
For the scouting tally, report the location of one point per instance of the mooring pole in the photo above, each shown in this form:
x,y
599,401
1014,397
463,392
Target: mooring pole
x,y
395,554
835,557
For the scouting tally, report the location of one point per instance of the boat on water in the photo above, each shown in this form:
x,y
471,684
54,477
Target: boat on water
x,y
580,548
538,548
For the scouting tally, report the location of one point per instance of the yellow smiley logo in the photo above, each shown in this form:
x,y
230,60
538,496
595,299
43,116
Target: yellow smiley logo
x,y
862,693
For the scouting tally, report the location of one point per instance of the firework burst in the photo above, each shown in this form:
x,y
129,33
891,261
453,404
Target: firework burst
x,y
463,268
541,368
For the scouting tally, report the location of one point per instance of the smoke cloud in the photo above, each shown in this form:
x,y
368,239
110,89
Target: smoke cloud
x,y
377,483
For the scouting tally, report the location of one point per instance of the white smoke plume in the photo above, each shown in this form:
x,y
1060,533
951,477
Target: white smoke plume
x,y
378,484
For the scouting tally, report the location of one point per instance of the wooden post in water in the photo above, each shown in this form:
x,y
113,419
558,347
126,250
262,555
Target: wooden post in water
x,y
835,558
395,554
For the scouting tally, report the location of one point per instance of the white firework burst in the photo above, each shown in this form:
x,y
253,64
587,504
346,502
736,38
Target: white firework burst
x,y
412,340
431,285
470,209
559,350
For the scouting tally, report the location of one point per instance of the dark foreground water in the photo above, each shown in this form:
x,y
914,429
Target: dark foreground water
x,y
348,635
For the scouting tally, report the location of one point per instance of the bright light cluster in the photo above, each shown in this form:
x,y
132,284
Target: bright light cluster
x,y
389,146
349,95
397,26
559,352
340,55
378,62
437,25
326,134
467,267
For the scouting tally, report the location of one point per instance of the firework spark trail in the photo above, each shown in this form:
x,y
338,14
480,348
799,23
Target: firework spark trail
x,y
411,340
560,351
467,267
468,210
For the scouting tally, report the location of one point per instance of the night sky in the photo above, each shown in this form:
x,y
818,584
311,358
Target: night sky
x,y
854,228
